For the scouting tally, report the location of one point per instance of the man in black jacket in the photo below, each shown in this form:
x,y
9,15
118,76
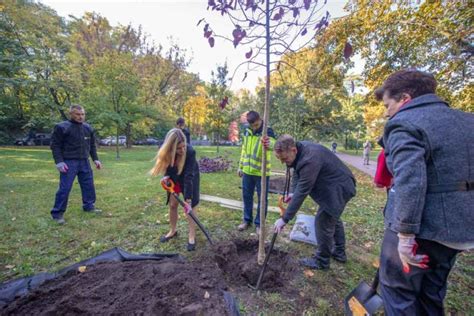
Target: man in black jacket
x,y
181,124
72,143
320,174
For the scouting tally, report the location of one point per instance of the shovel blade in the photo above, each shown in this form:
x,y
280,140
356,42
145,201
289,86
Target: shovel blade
x,y
363,300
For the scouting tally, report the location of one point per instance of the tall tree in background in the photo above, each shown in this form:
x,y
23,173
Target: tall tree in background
x,y
113,91
196,110
435,36
270,29
34,45
217,117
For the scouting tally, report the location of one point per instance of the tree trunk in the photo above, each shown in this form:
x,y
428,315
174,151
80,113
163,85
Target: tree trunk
x,y
128,134
263,201
117,150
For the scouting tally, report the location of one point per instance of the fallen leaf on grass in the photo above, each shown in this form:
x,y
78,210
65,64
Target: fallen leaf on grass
x,y
302,294
9,266
13,219
376,263
158,221
82,269
207,295
308,273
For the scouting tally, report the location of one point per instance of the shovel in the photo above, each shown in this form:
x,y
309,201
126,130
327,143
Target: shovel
x,y
168,185
265,263
364,300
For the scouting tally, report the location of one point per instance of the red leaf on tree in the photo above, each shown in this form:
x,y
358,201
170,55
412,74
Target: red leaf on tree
x,y
296,12
238,35
249,4
352,86
211,41
207,34
307,4
200,21
291,1
224,102
276,17
348,50
248,54
304,32
245,77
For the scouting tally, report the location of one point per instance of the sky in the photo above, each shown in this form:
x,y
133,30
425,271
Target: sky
x,y
174,21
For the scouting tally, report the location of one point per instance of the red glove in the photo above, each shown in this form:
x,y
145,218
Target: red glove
x,y
266,142
407,247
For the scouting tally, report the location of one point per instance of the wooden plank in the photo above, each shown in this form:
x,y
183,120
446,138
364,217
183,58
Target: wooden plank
x,y
232,204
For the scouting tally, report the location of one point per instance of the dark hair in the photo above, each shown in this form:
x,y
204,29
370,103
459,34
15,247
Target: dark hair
x,y
75,107
284,143
412,82
180,121
379,93
252,117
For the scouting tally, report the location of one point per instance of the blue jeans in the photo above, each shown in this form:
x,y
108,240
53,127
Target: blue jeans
x,y
249,183
421,291
82,169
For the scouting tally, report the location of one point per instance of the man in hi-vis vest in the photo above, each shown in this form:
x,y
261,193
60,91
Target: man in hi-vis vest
x,y
250,167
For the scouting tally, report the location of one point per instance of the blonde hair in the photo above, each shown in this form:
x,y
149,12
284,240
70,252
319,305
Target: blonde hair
x,y
166,155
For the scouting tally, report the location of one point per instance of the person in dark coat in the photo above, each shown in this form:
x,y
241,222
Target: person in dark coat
x,y
181,124
320,174
72,142
176,160
429,150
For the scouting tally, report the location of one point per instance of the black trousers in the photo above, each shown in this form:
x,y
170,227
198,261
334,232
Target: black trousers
x,y
421,291
330,237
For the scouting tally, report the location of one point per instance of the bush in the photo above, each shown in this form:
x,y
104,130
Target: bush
x,y
208,165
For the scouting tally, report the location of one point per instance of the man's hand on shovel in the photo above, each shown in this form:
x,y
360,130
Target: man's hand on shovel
x,y
280,223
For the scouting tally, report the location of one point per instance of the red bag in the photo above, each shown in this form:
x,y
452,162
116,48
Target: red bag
x,y
383,177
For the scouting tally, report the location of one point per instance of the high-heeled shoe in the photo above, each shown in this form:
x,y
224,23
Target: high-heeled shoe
x,y
166,239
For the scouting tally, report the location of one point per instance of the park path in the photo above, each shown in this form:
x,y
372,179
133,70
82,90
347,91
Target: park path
x,y
358,163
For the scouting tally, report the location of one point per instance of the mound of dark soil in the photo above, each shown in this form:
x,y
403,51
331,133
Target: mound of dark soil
x,y
166,287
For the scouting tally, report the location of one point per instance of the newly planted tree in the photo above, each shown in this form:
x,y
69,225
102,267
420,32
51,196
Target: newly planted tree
x,y
270,29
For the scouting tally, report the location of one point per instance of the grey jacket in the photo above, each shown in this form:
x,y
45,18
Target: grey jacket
x,y
320,174
428,144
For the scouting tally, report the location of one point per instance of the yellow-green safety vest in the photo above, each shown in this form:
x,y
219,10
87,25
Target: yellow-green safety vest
x,y
252,149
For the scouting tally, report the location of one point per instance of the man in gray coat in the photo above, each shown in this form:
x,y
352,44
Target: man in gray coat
x,y
429,217
320,174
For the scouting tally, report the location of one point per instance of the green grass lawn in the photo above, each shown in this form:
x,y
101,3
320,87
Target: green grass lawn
x,y
135,216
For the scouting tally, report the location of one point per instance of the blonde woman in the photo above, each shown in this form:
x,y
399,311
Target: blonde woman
x,y
177,160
